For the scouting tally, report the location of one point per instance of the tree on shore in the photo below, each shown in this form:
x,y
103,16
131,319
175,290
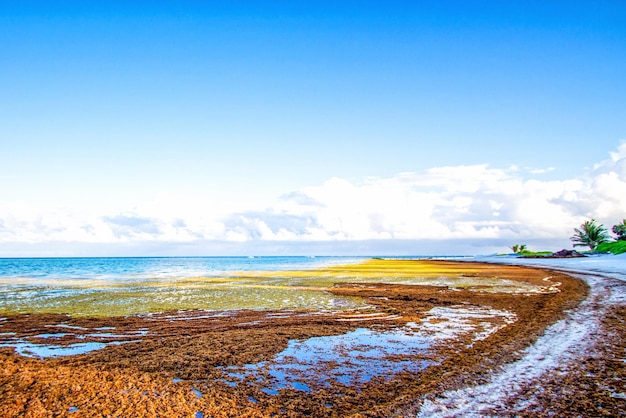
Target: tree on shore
x,y
620,230
590,234
518,248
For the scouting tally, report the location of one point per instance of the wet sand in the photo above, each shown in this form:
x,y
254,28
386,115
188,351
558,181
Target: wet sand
x,y
193,363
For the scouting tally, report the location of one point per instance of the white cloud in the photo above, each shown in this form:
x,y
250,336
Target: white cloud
x,y
443,203
540,170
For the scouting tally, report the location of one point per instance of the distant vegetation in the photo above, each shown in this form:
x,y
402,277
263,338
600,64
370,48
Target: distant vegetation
x,y
527,253
521,250
620,230
518,248
597,238
616,247
589,234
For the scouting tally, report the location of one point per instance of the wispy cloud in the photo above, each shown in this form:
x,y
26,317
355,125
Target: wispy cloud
x,y
125,226
540,170
476,202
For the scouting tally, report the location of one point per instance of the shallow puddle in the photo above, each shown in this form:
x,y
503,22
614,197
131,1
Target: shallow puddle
x,y
56,335
349,359
27,349
24,345
358,356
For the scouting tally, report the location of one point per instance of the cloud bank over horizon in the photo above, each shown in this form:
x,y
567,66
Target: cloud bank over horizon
x,y
445,206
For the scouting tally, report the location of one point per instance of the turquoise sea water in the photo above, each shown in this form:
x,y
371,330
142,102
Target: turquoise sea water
x,y
125,286
141,268
142,285
131,286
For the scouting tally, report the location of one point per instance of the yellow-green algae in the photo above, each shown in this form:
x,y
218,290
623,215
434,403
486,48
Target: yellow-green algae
x,y
299,290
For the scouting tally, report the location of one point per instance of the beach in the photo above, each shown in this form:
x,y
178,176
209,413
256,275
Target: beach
x,y
576,368
472,337
312,209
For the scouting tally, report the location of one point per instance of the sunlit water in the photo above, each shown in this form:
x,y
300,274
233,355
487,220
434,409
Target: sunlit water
x,y
359,356
127,286
130,269
124,286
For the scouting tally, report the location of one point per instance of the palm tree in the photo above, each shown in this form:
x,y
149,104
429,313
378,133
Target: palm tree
x,y
590,234
517,248
620,230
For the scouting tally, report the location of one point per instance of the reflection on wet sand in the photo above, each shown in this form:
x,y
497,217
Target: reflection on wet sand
x,y
398,341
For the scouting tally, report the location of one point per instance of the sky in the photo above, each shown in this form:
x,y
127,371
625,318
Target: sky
x,y
291,127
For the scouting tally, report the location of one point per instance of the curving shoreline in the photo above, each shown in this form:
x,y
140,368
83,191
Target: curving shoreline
x,y
554,375
176,360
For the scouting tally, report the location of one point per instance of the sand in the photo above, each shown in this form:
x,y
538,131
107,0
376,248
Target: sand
x,y
190,363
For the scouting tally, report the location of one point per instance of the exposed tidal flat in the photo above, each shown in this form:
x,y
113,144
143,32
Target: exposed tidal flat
x,y
126,286
145,286
315,337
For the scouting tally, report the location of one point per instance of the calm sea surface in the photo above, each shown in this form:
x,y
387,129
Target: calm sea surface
x,y
141,268
124,286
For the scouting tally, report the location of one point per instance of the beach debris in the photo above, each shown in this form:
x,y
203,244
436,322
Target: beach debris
x,y
316,363
375,316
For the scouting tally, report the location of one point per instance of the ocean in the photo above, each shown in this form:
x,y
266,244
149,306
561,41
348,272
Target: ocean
x,y
144,285
39,270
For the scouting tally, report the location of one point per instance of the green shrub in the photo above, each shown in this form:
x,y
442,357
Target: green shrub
x,y
527,253
617,247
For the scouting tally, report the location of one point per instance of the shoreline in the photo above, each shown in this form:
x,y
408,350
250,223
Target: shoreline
x,y
251,337
575,367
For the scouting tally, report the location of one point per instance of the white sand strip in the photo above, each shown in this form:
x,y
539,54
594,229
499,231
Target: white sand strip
x,y
560,345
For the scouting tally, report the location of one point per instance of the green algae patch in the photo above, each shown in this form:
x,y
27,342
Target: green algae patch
x,y
462,275
139,300
263,290
187,363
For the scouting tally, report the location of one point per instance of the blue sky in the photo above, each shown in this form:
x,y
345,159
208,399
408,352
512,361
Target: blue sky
x,y
280,127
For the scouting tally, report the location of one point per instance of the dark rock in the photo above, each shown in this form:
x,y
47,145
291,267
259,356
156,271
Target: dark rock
x,y
566,254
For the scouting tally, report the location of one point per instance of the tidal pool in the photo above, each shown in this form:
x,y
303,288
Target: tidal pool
x,y
27,349
358,356
31,345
